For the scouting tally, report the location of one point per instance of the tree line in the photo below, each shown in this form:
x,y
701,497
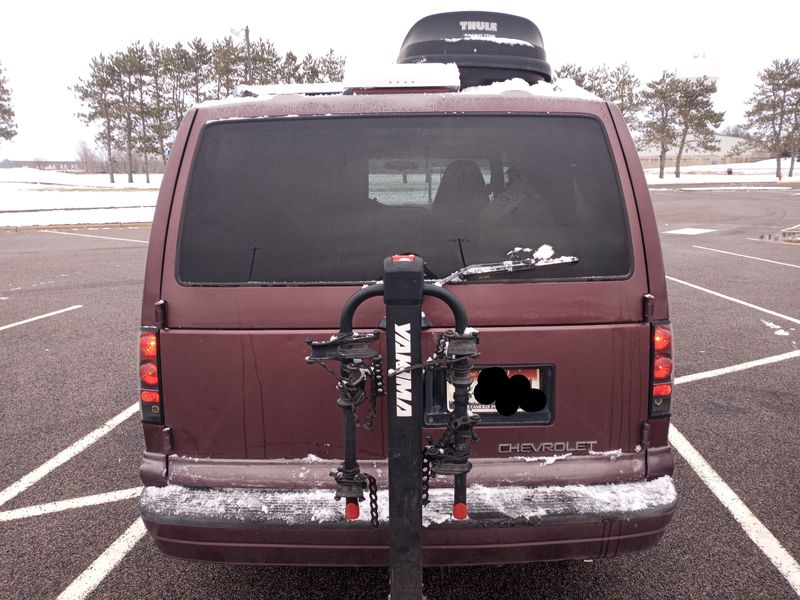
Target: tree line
x,y
677,113
138,96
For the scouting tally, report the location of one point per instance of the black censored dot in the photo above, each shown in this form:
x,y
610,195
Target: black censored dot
x,y
533,400
518,385
507,405
491,384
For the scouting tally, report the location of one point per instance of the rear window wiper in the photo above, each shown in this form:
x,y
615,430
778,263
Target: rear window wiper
x,y
507,266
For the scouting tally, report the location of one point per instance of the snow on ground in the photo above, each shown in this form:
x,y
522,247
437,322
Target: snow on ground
x,y
31,197
762,171
27,178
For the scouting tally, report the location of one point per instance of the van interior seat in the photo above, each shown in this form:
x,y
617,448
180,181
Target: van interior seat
x,y
462,190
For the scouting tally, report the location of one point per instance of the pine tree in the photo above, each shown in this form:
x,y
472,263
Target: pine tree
x,y
573,72
96,95
228,64
619,86
141,95
161,125
123,89
660,124
624,90
772,108
331,67
177,82
696,117
290,69
138,61
200,65
265,63
310,70
793,139
8,128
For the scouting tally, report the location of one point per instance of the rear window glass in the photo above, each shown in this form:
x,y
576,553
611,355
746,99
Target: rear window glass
x,y
311,200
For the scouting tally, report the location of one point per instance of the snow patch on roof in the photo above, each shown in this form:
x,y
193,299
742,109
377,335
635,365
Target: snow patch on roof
x,y
406,75
563,88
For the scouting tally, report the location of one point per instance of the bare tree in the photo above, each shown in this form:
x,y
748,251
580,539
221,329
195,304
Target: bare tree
x,y
90,161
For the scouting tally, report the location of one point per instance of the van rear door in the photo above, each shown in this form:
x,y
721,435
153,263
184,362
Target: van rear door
x,y
278,221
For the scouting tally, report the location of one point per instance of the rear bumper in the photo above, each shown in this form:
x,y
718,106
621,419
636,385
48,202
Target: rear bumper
x,y
506,524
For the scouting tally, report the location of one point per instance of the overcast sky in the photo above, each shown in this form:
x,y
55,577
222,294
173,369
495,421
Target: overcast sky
x,y
46,46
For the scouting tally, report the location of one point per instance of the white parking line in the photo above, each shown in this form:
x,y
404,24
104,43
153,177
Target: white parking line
x,y
59,459
32,319
742,302
87,581
774,262
736,188
740,367
755,530
53,507
102,237
690,231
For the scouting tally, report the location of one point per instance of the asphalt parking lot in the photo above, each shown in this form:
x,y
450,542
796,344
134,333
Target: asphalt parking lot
x,y
71,441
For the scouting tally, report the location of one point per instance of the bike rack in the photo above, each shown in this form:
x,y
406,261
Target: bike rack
x,y
403,290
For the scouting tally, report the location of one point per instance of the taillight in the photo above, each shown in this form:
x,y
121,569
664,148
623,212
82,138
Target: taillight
x,y
661,369
149,376
149,396
148,345
662,338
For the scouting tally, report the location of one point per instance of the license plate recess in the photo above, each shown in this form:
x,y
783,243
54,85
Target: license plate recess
x,y
502,381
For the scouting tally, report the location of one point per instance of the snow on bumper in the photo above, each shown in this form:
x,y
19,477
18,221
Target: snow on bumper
x,y
489,506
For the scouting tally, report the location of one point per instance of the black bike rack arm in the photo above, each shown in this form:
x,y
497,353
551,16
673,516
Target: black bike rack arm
x,y
356,300
449,298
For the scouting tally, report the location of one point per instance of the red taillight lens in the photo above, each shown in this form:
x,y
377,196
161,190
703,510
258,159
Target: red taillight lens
x,y
149,396
148,346
662,338
148,373
662,389
150,400
662,368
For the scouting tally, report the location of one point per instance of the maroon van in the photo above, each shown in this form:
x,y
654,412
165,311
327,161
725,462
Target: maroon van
x,y
524,200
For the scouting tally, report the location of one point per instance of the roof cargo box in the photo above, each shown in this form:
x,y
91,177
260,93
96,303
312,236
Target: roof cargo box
x,y
486,46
